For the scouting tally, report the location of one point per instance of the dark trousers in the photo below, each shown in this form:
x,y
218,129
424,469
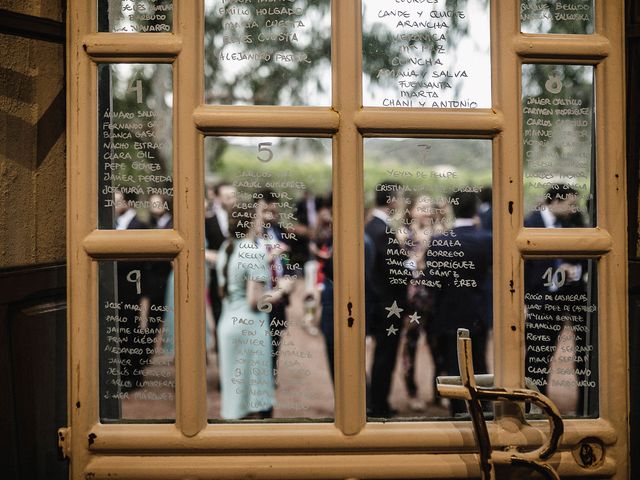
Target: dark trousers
x,y
277,328
542,343
384,363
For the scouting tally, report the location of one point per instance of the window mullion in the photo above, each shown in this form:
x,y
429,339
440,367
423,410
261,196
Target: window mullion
x,y
612,217
191,402
82,329
507,173
349,316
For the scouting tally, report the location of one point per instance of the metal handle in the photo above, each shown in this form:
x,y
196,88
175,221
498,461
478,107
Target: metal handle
x,y
466,388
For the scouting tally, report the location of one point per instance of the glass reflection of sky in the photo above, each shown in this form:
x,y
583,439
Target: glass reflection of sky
x,y
464,51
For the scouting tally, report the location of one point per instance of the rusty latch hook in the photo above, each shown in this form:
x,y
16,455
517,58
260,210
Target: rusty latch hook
x,y
466,388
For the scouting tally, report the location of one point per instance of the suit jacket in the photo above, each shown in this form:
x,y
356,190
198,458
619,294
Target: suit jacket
x,y
159,274
214,238
213,233
461,263
389,276
300,247
137,224
302,210
127,290
534,220
535,271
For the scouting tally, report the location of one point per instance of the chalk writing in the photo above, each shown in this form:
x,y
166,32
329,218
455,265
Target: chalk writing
x,y
428,60
135,146
272,353
134,361
561,332
135,16
558,122
275,39
556,16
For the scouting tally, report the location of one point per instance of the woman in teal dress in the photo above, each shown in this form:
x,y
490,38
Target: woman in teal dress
x,y
244,342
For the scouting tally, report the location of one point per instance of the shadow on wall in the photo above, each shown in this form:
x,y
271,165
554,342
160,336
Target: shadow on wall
x,y
32,151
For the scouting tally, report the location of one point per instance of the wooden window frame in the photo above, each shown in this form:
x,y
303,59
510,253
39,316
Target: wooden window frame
x,y
350,447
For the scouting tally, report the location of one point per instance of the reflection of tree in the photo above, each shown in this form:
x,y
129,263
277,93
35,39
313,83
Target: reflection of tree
x,y
245,31
156,88
268,82
272,82
135,131
305,160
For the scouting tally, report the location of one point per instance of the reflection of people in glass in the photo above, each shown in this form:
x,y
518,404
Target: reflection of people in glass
x,y
160,209
134,297
320,249
306,214
126,215
486,208
458,263
548,282
272,237
161,273
216,228
389,295
558,210
244,341
415,236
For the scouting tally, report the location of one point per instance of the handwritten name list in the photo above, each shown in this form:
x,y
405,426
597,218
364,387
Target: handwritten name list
x,y
558,130
136,16
135,154
434,54
559,16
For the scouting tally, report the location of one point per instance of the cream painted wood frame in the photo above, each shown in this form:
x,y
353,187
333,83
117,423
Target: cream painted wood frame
x,y
349,448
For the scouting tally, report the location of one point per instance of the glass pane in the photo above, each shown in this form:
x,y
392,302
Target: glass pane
x,y
270,278
428,262
556,16
131,16
135,147
561,333
559,145
268,53
137,374
426,54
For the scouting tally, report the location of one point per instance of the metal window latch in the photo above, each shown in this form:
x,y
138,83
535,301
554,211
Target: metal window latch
x,y
64,441
466,388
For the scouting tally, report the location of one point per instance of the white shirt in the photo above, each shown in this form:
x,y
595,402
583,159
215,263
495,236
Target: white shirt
x,y
125,219
312,215
464,222
163,221
223,219
381,214
549,219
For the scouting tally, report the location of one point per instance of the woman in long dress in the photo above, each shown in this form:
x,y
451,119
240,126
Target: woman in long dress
x,y
244,341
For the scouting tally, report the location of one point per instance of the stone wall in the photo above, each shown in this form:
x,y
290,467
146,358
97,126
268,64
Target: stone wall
x,y
32,143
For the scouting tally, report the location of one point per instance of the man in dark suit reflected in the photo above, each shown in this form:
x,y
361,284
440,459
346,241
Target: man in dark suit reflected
x,y
216,230
547,281
459,264
388,283
133,280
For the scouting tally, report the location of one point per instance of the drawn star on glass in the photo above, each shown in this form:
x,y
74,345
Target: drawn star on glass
x,y
394,309
392,330
415,318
